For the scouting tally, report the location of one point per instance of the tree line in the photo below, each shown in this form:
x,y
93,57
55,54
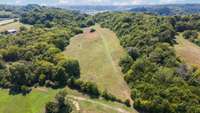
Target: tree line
x,y
159,81
33,57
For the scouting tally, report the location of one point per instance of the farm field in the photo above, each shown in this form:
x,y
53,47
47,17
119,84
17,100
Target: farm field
x,y
10,24
99,54
7,21
188,51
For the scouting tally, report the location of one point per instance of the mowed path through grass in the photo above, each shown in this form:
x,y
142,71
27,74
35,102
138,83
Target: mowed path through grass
x,y
188,51
99,54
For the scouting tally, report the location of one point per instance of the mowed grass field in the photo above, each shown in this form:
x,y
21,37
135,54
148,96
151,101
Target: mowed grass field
x,y
36,100
31,103
99,54
188,51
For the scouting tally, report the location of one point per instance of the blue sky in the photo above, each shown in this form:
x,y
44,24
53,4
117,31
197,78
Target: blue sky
x,y
96,2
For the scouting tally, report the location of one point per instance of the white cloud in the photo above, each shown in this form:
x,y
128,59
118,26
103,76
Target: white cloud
x,y
83,1
18,1
172,1
132,2
63,1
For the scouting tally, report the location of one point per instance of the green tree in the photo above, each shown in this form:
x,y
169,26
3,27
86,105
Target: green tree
x,y
71,67
60,105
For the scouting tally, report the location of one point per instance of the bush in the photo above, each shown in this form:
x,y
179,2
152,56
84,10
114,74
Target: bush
x,y
23,28
2,65
11,54
127,102
92,30
60,105
108,96
133,52
90,22
125,63
71,67
189,34
87,87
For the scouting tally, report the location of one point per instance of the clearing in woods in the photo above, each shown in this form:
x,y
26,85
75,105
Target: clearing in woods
x,y
99,54
11,24
188,51
36,100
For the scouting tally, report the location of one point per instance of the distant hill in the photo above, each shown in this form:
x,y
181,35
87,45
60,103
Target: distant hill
x,y
88,9
164,10
167,10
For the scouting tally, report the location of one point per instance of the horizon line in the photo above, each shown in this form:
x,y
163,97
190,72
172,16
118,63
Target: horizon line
x,y
102,4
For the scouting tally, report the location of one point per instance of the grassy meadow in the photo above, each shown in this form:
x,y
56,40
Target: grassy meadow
x,y
11,25
31,103
99,54
188,51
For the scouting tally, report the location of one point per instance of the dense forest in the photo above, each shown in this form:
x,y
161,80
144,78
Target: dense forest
x,y
33,57
160,82
168,10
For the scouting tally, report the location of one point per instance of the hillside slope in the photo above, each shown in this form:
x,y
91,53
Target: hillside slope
x,y
188,51
99,54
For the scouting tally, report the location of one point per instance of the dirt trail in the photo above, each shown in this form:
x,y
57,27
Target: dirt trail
x,y
108,52
119,110
101,31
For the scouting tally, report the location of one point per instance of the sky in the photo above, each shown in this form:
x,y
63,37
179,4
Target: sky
x,y
96,2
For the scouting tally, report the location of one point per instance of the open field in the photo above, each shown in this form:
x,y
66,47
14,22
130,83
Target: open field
x,y
10,24
35,102
188,51
98,54
4,22
31,103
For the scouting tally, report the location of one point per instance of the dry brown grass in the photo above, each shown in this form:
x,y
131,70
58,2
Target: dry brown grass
x,y
188,51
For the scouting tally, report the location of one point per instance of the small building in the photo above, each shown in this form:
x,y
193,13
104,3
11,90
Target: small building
x,y
12,31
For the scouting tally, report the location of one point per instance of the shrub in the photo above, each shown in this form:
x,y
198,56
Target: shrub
x,y
60,105
92,30
71,67
87,87
108,96
127,102
189,34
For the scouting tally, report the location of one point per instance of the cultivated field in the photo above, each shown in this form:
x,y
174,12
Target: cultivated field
x,y
188,51
99,54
